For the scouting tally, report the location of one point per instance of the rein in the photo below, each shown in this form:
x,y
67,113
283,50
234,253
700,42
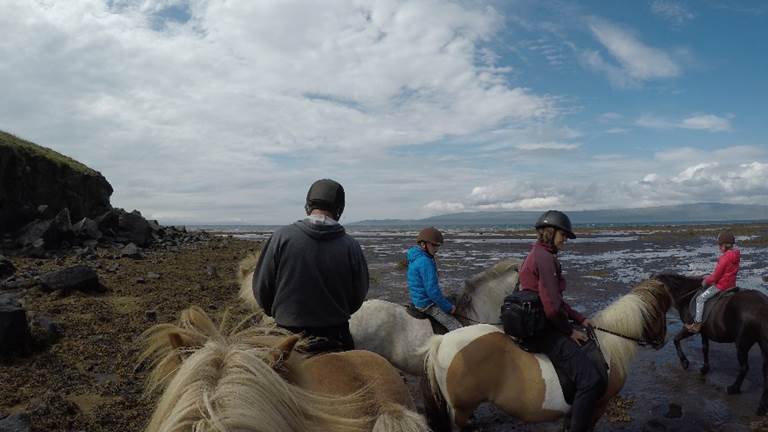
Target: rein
x,y
640,342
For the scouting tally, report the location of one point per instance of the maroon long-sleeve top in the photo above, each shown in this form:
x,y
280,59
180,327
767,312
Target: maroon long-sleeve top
x,y
541,273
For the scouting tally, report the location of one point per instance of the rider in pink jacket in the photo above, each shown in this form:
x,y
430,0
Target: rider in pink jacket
x,y
722,279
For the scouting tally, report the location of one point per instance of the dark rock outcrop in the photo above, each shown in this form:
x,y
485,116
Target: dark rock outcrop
x,y
35,180
7,269
82,278
15,336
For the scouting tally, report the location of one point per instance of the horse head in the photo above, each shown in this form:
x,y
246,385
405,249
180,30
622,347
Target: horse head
x,y
658,301
681,288
484,293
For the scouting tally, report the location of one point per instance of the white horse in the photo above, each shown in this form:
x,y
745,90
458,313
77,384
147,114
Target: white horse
x,y
387,329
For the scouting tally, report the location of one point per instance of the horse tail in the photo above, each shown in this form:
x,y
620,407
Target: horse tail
x,y
394,417
435,405
245,269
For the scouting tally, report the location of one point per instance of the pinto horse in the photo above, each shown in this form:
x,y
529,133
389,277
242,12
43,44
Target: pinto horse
x,y
740,319
480,363
252,380
387,329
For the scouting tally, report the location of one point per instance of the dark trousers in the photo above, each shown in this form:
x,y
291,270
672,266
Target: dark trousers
x,y
581,363
326,339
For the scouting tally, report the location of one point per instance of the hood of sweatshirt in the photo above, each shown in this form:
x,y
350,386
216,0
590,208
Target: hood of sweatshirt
x,y
320,231
416,252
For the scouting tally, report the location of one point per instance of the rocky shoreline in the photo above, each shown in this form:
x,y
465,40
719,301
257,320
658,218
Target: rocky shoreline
x,y
80,372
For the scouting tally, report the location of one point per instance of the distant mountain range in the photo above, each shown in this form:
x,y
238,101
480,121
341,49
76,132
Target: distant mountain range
x,y
683,213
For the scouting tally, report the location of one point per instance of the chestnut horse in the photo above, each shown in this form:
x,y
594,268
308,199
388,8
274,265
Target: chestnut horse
x,y
252,380
480,363
740,319
387,329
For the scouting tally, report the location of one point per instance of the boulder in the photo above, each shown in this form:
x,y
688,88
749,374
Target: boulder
x,y
7,268
15,336
131,251
15,423
87,228
80,277
32,176
52,231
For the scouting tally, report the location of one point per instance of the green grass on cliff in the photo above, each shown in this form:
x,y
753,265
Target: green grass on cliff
x,y
18,144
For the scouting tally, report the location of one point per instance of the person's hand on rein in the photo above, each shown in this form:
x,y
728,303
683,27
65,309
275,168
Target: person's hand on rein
x,y
578,336
587,323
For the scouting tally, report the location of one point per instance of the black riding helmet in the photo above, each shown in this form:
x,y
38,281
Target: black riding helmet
x,y
557,219
326,194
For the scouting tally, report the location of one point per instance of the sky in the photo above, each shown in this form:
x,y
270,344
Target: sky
x,y
203,111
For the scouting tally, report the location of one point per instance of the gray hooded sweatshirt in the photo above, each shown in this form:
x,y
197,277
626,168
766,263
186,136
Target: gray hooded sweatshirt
x,y
311,275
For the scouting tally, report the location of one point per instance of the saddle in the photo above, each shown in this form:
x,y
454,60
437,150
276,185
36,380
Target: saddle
x,y
437,328
716,303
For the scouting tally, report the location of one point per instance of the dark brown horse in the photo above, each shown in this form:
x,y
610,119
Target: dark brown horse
x,y
740,319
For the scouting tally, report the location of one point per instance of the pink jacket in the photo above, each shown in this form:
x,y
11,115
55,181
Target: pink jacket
x,y
724,276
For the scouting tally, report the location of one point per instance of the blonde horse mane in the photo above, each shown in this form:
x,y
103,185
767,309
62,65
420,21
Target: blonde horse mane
x,y
245,269
224,387
628,315
167,345
219,380
500,268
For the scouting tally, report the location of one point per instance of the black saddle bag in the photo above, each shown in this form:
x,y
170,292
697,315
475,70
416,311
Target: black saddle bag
x,y
523,314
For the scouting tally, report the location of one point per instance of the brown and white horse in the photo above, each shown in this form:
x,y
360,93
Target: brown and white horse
x,y
251,379
480,363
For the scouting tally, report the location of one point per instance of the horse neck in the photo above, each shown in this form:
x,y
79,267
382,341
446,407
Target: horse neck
x,y
625,316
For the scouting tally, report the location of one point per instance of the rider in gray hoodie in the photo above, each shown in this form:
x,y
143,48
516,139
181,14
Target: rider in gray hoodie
x,y
312,276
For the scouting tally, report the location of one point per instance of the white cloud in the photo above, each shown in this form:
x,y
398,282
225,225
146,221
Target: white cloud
x,y
672,11
243,96
443,207
546,146
635,61
705,122
708,122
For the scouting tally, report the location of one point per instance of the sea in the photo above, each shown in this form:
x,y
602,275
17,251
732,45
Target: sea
x,y
601,264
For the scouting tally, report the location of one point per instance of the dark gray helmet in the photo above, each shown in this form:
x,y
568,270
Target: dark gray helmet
x,y
558,220
326,194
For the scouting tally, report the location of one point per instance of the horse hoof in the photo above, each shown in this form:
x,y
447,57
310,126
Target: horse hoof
x,y
733,390
704,370
684,364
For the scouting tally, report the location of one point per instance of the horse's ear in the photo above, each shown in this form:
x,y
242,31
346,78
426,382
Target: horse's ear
x,y
176,343
283,350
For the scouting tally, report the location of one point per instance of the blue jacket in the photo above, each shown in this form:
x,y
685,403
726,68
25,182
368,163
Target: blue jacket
x,y
422,281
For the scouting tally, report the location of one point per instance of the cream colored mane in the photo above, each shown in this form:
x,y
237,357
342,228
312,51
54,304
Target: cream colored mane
x,y
226,382
628,316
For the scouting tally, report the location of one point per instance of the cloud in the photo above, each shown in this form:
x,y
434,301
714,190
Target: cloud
x,y
546,146
443,207
635,61
242,96
705,122
708,122
672,11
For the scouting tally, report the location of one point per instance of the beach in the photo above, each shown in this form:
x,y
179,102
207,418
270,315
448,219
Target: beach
x,y
83,373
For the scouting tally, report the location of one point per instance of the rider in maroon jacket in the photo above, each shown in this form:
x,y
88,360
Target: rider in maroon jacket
x,y
569,348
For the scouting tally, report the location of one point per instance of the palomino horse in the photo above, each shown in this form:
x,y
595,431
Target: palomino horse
x,y
740,319
387,329
252,380
480,363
